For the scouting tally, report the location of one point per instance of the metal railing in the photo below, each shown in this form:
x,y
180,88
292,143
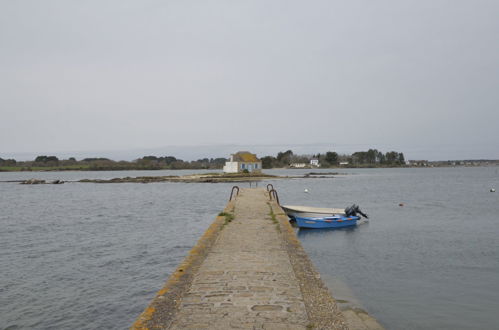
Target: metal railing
x,y
273,195
232,192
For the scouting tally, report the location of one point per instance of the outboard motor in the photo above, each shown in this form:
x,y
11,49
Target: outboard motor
x,y
353,210
350,211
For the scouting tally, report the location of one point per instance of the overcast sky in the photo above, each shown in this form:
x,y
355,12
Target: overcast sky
x,y
421,77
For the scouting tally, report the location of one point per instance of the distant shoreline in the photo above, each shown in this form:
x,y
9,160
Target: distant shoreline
x,y
89,169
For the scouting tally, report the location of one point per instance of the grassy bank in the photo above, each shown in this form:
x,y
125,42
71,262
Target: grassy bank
x,y
45,168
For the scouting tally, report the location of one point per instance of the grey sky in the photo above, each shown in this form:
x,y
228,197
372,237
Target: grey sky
x,y
420,77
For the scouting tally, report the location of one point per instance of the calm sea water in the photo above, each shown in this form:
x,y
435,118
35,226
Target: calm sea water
x,y
87,256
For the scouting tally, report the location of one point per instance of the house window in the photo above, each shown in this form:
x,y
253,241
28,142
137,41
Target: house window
x,y
256,166
242,166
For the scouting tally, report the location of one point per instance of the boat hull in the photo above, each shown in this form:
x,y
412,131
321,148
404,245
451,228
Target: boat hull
x,y
294,211
326,222
293,215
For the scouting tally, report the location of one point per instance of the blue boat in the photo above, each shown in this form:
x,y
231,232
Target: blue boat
x,y
335,221
344,218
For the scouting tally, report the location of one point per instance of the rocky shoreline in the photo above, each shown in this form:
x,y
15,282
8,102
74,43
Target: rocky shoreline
x,y
37,181
207,178
195,178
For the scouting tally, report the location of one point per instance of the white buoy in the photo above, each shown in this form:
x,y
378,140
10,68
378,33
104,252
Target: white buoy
x,y
492,190
306,190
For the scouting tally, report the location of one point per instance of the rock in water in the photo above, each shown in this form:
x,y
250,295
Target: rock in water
x,y
33,181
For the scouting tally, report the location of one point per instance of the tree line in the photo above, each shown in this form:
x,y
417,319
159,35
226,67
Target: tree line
x,y
105,164
369,158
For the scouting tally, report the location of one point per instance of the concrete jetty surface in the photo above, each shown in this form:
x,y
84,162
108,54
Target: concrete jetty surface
x,y
248,271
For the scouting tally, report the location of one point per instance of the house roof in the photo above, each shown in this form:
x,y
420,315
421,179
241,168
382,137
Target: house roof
x,y
245,156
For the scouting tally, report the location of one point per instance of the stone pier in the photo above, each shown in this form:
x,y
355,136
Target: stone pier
x,y
248,271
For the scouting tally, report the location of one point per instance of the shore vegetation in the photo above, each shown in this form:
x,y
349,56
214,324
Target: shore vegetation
x,y
284,159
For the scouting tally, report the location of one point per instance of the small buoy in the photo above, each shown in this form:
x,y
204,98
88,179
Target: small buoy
x,y
492,190
306,190
401,204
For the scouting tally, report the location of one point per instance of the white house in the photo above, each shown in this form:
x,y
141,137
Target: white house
x,y
314,162
243,160
298,165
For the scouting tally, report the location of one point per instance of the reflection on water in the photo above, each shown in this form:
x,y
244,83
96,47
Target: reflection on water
x,y
311,233
342,293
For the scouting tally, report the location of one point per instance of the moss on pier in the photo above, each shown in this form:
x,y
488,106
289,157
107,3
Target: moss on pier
x,y
228,217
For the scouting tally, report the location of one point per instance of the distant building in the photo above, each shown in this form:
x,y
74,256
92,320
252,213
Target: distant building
x,y
243,160
298,165
314,162
343,163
